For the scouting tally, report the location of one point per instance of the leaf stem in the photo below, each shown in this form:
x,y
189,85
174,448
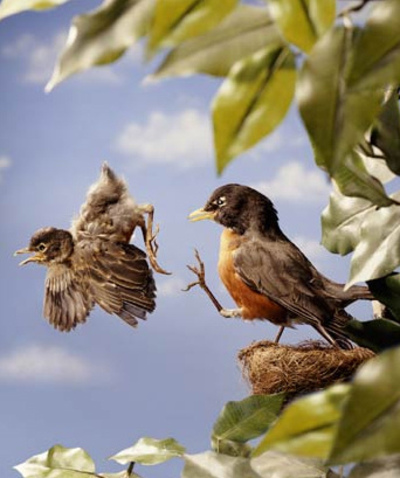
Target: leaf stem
x,y
129,471
353,8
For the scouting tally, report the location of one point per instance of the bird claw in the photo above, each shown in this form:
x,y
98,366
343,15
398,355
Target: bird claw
x,y
190,286
152,249
153,241
199,272
150,237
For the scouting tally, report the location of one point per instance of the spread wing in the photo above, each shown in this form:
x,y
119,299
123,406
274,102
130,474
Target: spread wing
x,y
120,280
66,303
108,211
279,270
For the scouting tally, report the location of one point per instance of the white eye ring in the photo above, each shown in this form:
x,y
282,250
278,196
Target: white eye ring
x,y
221,201
42,247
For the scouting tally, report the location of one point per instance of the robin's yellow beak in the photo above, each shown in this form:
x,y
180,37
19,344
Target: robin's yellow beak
x,y
200,215
38,257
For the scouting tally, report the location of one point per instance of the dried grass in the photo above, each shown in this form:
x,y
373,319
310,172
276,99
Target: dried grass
x,y
298,369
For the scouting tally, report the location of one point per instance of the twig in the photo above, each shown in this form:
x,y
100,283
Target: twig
x,y
129,471
353,8
201,282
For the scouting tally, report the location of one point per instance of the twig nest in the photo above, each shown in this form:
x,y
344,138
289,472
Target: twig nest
x,y
298,369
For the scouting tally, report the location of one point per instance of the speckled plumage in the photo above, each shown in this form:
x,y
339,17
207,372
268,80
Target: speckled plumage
x,y
93,262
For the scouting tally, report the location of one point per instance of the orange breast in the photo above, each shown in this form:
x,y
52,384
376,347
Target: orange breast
x,y
254,305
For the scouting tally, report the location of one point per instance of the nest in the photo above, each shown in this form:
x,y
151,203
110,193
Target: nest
x,y
273,368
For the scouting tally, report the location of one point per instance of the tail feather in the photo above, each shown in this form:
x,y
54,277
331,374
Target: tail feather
x,y
346,297
359,292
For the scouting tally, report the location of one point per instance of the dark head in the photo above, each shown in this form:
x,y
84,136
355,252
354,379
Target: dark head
x,y
239,208
49,245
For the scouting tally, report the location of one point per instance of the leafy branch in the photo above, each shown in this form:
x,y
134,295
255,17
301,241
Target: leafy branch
x,y
340,83
346,423
345,83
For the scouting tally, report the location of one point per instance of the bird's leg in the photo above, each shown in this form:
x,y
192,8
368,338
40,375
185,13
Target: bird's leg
x,y
149,237
326,335
201,282
279,334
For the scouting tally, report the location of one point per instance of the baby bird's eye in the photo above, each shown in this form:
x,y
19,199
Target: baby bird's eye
x,y
41,247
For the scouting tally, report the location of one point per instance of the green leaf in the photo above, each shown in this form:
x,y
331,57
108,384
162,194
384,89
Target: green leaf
x,y
388,467
270,464
336,116
231,448
386,133
370,424
377,51
178,20
302,22
246,30
377,254
11,7
247,419
149,451
343,217
376,167
387,291
376,334
273,464
215,465
341,222
307,426
353,179
58,462
252,101
355,224
121,474
102,36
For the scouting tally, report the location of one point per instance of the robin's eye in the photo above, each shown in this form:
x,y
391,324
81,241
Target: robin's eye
x,y
220,201
41,247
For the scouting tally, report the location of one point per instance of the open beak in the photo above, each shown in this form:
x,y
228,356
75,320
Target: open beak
x,y
35,258
200,215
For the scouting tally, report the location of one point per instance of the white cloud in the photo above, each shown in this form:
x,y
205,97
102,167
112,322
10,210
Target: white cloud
x,y
19,47
5,163
41,57
41,364
183,139
310,247
171,287
294,183
272,143
279,142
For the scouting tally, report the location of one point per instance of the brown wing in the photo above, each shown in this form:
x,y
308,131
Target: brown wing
x,y
66,303
109,210
121,281
279,270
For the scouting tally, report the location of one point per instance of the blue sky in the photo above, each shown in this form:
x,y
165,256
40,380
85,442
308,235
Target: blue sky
x,y
105,385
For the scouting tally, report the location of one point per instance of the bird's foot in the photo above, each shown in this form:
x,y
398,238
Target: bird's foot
x,y
279,334
150,238
231,313
199,271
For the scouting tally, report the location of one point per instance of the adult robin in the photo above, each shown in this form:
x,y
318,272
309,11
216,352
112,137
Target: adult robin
x,y
266,274
93,262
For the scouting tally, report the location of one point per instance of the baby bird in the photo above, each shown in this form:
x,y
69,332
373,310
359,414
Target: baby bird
x,y
93,262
